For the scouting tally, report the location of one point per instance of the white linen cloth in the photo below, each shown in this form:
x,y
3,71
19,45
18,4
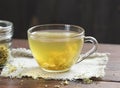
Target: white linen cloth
x,y
22,65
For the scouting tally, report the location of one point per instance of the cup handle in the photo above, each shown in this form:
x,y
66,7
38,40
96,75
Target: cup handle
x,y
92,50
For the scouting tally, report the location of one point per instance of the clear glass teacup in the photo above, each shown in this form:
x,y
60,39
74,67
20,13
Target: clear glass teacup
x,y
57,47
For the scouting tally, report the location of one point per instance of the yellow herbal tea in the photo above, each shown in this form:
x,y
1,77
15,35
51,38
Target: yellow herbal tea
x,y
55,50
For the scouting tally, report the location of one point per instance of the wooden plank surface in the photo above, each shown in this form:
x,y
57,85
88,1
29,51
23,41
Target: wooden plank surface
x,y
30,83
113,66
111,79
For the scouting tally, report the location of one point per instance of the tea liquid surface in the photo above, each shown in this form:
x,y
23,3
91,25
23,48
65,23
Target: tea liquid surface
x,y
55,50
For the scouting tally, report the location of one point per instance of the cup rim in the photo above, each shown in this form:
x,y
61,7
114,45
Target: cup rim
x,y
64,25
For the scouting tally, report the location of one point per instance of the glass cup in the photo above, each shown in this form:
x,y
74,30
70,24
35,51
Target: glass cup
x,y
6,33
57,47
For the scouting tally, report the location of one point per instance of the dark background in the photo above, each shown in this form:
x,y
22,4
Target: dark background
x,y
99,18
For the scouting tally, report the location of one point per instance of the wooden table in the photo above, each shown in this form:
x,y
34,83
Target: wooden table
x,y
111,79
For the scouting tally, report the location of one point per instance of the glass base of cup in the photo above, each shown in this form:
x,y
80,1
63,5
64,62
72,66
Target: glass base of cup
x,y
56,71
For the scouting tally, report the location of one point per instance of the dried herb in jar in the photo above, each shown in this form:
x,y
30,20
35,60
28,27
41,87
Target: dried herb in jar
x,y
3,54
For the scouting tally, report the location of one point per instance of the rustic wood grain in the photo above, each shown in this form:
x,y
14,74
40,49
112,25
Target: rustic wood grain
x,y
30,83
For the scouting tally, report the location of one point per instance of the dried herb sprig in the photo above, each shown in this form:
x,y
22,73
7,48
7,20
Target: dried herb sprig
x,y
87,81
